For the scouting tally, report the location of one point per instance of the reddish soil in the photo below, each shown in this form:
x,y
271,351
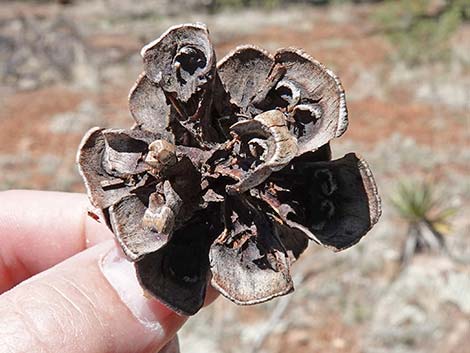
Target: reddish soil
x,y
373,120
349,47
25,117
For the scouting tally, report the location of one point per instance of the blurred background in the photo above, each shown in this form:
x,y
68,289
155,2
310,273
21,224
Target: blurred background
x,y
68,65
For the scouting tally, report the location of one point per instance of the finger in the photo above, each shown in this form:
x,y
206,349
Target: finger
x,y
91,302
171,347
39,229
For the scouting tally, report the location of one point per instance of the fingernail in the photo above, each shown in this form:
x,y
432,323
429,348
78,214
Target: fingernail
x,y
171,347
120,273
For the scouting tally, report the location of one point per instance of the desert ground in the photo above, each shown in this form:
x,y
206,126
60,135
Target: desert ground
x,y
67,68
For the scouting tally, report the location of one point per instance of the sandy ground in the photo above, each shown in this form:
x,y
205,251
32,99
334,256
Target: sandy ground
x,y
408,122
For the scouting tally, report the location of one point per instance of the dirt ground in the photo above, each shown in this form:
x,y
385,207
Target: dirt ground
x,y
65,69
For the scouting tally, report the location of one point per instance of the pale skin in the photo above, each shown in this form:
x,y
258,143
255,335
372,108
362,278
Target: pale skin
x,y
58,294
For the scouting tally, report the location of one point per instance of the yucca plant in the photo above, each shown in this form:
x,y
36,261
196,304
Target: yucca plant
x,y
427,216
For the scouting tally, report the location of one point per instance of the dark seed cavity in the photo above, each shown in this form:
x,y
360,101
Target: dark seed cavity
x,y
326,180
288,92
190,59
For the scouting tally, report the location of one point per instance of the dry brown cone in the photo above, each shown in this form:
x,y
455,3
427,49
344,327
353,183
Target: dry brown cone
x,y
227,172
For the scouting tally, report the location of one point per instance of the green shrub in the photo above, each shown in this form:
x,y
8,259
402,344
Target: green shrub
x,y
221,4
418,202
421,28
427,216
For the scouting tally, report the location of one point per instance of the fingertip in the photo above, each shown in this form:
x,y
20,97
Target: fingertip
x,y
171,347
152,314
91,302
39,229
95,228
211,295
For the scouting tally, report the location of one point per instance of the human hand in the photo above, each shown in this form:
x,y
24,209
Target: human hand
x,y
66,288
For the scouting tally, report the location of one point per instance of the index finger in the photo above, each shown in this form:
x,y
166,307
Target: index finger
x,y
39,229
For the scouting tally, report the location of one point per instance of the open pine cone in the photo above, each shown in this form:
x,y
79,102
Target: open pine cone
x,y
227,172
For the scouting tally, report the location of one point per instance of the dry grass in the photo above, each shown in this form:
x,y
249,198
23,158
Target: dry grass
x,y
406,122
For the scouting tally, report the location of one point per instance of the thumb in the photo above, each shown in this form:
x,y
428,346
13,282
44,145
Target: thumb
x,y
91,302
